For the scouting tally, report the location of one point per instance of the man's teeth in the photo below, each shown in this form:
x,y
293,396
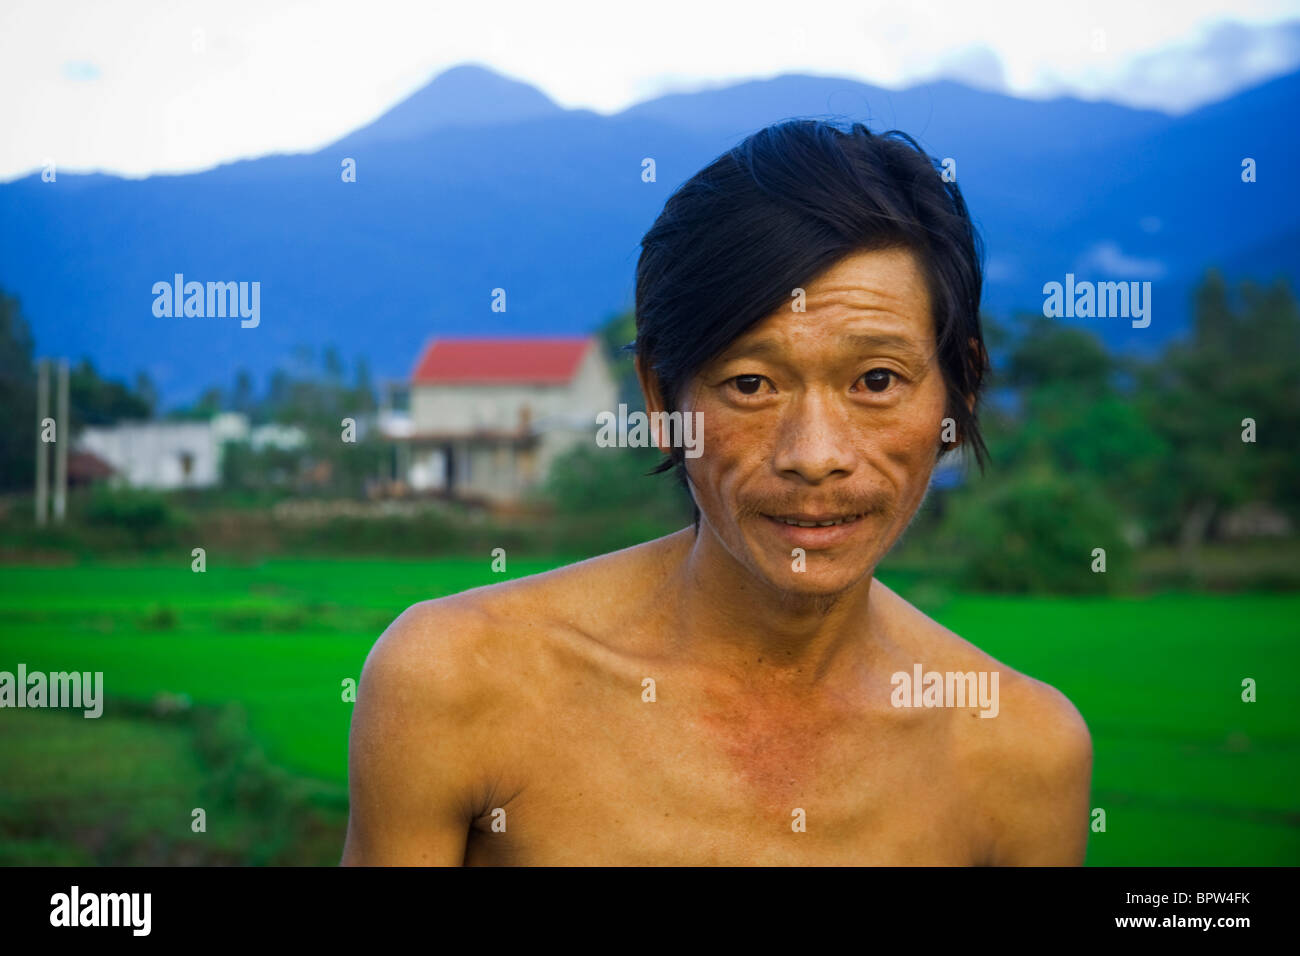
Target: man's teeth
x,y
819,524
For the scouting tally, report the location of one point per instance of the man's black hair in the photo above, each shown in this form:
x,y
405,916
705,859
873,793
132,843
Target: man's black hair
x,y
769,216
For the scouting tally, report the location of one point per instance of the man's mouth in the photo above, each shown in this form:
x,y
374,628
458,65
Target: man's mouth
x,y
818,530
815,521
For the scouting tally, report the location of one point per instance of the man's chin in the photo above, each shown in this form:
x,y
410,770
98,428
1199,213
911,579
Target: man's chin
x,y
816,561
817,578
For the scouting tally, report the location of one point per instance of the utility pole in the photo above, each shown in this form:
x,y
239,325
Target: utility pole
x,y
62,439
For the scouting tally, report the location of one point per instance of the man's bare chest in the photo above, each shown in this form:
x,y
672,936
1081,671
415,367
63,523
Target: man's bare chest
x,y
689,780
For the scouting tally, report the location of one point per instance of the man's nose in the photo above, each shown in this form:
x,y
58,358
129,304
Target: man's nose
x,y
813,442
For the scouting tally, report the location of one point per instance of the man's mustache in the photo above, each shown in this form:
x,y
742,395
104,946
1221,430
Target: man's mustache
x,y
866,502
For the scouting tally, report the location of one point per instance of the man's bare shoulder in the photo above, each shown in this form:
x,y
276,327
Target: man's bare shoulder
x,y
427,734
1029,704
481,638
438,665
1030,766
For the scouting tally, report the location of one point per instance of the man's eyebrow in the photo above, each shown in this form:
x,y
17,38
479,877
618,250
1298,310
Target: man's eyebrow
x,y
884,340
764,348
759,348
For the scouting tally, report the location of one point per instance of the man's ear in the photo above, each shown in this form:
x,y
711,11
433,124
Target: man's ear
x,y
654,402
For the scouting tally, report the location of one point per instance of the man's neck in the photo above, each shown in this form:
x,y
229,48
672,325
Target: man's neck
x,y
730,617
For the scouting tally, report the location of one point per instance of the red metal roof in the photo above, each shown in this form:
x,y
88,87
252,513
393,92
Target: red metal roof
x,y
534,361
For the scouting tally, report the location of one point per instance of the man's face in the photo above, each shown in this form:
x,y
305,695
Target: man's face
x,y
831,414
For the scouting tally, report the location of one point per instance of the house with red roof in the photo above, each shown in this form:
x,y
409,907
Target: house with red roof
x,y
488,417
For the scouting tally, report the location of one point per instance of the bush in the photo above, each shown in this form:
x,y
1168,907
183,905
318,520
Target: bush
x,y
135,511
1034,532
614,483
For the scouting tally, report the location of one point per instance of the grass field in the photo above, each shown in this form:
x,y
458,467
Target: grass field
x,y
1186,772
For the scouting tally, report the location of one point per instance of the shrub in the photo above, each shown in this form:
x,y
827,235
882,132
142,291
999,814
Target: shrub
x,y
139,512
1034,532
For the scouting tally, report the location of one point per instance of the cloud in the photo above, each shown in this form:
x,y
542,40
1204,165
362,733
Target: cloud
x,y
1001,269
1109,259
156,86
1228,58
975,66
80,71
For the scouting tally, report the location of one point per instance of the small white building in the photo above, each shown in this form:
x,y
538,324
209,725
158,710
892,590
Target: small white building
x,y
168,455
489,416
159,455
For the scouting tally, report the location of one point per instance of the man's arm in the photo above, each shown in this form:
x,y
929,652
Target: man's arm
x,y
412,772
1044,783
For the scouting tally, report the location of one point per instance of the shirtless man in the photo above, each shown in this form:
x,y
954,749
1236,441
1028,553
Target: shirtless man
x,y
726,695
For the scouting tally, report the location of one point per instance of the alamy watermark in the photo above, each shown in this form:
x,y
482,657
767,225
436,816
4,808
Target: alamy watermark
x,y
923,688
1103,300
638,430
74,689
75,908
215,300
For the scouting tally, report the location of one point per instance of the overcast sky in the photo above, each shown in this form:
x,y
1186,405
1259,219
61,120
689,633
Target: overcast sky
x,y
142,86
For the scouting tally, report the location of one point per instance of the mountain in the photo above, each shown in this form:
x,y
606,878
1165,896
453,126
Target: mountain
x,y
466,95
937,113
477,182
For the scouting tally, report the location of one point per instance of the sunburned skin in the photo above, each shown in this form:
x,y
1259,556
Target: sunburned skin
x,y
699,699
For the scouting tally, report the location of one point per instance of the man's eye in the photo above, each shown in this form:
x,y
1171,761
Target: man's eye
x,y
878,379
748,384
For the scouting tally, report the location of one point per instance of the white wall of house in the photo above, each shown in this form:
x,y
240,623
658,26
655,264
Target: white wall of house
x,y
159,455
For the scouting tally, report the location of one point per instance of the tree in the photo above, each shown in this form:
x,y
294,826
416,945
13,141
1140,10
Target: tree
x,y
1241,362
1070,411
1036,530
1050,354
615,334
93,400
17,397
242,398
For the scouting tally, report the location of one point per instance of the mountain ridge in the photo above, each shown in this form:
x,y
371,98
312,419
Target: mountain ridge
x,y
548,203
